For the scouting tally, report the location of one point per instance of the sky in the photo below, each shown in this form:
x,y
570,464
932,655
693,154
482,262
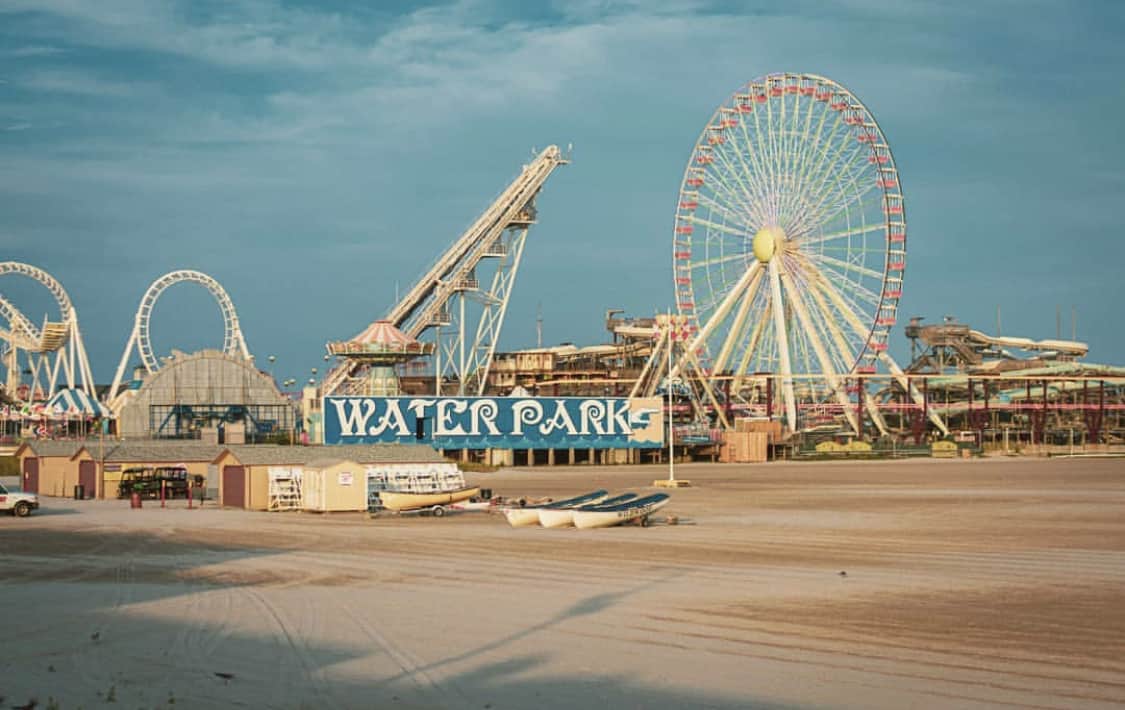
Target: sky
x,y
313,156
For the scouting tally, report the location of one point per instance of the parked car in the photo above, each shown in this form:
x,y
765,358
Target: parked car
x,y
147,482
18,502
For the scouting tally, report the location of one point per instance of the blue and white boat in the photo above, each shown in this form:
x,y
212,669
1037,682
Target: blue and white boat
x,y
529,515
604,516
551,516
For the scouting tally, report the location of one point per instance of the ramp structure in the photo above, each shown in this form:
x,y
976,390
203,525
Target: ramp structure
x,y
459,303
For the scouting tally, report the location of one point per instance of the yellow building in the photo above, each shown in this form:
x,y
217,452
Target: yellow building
x,y
54,468
333,485
336,475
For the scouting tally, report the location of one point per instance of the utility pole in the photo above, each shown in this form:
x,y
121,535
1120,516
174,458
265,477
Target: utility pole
x,y
539,326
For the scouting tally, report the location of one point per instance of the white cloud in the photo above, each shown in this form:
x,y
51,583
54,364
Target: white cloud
x,y
80,84
31,51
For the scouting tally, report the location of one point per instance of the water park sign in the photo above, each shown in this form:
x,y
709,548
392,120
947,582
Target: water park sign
x,y
495,422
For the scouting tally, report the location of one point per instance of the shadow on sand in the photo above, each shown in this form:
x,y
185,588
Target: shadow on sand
x,y
90,646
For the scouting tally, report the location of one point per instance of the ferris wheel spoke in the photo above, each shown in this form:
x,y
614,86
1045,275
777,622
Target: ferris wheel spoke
x,y
861,192
851,232
736,194
848,266
832,195
857,293
755,185
766,139
809,144
840,198
802,149
785,154
822,154
845,309
752,189
715,261
725,229
760,173
846,306
710,203
829,169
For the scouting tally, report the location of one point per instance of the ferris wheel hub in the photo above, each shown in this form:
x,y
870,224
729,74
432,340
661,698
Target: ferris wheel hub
x,y
768,241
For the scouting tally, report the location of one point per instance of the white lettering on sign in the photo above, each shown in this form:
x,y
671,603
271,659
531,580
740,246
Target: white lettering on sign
x,y
354,423
391,419
456,417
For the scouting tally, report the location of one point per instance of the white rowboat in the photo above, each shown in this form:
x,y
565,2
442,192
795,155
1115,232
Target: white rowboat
x,y
608,516
551,516
529,515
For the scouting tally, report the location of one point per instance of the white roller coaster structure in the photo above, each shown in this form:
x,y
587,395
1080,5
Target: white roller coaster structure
x,y
53,350
233,341
435,307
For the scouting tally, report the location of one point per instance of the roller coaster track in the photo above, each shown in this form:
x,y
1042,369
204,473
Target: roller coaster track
x,y
435,306
58,340
233,341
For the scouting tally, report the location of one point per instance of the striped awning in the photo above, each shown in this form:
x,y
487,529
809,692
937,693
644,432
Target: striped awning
x,y
76,402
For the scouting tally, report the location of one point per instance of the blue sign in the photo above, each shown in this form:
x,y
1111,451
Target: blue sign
x,y
495,422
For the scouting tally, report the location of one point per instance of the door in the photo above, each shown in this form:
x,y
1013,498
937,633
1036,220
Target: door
x,y
234,487
88,478
30,475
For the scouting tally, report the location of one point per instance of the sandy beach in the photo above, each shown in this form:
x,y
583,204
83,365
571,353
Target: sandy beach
x,y
984,583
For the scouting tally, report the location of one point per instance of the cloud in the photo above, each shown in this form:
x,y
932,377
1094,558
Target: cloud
x,y
17,127
358,142
247,33
31,51
79,84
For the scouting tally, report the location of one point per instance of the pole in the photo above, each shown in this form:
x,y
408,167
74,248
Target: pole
x,y
101,459
437,361
671,444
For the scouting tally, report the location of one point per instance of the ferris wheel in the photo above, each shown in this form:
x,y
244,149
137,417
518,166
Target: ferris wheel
x,y
790,240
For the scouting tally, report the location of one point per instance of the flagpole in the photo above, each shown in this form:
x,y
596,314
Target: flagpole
x,y
671,444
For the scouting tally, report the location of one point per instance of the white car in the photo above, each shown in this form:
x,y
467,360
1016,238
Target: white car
x,y
18,503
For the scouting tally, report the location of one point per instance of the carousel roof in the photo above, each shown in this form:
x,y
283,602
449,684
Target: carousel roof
x,y
76,402
381,338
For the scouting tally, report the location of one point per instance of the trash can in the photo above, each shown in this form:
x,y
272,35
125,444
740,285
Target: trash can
x,y
80,492
486,494
135,500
